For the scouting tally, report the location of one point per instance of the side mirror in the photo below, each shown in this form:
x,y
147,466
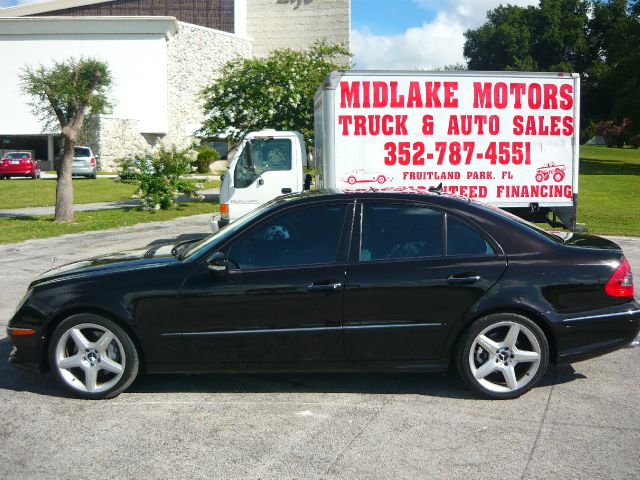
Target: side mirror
x,y
307,181
217,262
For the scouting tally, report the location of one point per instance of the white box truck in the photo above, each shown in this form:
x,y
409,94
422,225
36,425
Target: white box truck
x,y
510,139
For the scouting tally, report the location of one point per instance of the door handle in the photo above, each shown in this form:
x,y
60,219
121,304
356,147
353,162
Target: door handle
x,y
330,287
286,190
464,279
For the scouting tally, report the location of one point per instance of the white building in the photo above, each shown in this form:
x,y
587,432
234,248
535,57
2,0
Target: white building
x,y
161,54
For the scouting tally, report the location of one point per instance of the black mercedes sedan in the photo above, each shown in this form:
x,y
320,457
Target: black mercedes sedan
x,y
332,281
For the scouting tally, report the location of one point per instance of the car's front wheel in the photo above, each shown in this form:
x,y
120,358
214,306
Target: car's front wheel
x,y
503,355
93,357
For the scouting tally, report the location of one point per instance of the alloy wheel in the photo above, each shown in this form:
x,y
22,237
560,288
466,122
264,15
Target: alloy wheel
x,y
90,358
504,357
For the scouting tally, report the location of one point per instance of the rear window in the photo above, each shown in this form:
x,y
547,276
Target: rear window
x,y
16,156
521,221
81,152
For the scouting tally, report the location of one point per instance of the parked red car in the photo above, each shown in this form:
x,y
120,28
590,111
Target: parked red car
x,y
19,164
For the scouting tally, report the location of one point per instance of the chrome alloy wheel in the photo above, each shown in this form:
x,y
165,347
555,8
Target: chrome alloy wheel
x,y
504,357
90,358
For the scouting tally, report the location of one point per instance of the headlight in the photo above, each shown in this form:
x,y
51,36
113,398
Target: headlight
x,y
22,301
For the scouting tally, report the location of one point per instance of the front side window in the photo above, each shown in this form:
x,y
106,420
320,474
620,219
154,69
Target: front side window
x,y
301,237
465,240
267,155
400,231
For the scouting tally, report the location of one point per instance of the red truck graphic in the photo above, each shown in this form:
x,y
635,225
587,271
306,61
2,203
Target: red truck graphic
x,y
550,170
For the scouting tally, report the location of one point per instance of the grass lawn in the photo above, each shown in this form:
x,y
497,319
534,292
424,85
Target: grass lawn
x,y
42,192
609,190
42,226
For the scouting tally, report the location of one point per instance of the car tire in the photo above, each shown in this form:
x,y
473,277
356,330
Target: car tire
x,y
94,176
502,356
93,357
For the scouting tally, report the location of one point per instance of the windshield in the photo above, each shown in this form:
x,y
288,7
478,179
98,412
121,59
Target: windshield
x,y
225,232
521,221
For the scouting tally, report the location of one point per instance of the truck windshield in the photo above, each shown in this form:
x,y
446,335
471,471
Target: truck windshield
x,y
271,154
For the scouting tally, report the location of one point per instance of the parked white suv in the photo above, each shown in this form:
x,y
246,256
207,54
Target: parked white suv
x,y
84,162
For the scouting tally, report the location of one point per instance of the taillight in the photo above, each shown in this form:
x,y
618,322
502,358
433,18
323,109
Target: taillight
x,y
621,282
93,162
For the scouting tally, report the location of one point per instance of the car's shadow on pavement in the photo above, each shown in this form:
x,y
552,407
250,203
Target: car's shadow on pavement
x,y
446,385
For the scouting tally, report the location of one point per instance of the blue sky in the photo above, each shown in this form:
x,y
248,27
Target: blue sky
x,y
408,34
388,17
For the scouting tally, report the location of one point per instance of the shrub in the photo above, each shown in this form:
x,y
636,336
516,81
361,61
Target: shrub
x,y
635,141
614,135
159,176
206,156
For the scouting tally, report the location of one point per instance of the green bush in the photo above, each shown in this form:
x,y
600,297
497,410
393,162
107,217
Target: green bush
x,y
159,176
614,135
206,156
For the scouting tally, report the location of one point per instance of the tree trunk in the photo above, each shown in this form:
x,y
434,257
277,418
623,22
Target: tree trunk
x,y
64,187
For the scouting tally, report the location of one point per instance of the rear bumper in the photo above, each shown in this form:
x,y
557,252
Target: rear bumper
x,y
81,170
17,172
587,335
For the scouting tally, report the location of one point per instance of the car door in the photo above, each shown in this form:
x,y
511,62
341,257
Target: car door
x,y
280,299
403,291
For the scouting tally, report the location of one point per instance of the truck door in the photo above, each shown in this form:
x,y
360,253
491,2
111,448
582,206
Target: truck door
x,y
277,172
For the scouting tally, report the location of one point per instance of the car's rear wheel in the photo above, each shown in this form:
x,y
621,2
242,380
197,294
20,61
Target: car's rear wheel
x,y
93,357
503,355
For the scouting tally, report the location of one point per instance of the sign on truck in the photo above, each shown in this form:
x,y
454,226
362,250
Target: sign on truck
x,y
505,138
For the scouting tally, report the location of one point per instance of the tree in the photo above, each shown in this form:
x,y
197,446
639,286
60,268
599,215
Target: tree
x,y
272,92
65,94
597,39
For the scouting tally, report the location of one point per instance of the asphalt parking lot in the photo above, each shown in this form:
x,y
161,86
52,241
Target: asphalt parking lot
x,y
583,422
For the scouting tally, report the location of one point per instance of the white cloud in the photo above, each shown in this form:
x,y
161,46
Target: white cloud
x,y
436,43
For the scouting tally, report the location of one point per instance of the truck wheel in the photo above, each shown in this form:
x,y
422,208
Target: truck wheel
x,y
558,176
502,356
351,180
381,179
539,177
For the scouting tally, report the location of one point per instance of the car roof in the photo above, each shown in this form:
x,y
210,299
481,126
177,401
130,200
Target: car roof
x,y
421,195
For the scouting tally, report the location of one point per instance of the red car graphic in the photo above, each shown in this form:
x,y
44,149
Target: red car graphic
x,y
364,176
550,170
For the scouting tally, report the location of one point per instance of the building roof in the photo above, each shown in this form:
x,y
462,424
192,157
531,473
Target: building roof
x,y
43,7
167,26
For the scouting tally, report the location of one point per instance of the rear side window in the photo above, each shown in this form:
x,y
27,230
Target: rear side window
x,y
301,237
465,240
81,152
400,231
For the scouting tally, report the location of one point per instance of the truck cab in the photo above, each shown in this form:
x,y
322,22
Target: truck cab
x,y
266,164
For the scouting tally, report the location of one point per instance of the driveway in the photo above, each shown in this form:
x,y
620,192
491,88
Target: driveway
x,y
583,422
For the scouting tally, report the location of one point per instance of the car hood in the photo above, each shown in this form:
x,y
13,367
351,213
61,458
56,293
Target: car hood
x,y
114,262
587,241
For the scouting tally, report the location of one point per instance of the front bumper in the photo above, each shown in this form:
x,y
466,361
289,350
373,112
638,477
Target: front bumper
x,y
591,334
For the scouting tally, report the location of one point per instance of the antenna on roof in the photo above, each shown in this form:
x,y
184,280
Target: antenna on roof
x,y
372,189
437,190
